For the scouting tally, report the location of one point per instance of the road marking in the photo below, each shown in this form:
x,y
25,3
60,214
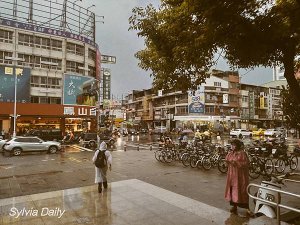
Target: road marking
x,y
83,149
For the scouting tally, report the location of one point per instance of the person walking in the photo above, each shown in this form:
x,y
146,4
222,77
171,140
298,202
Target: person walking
x,y
237,177
102,160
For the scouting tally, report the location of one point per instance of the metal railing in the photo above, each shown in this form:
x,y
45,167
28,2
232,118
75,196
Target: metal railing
x,y
276,204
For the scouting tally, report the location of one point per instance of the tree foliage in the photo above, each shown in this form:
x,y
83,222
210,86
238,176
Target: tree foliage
x,y
291,109
182,38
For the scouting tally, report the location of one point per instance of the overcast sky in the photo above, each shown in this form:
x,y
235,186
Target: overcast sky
x,y
114,38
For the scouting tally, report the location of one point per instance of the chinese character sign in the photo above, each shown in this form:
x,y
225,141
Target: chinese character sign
x,y
196,101
7,84
77,90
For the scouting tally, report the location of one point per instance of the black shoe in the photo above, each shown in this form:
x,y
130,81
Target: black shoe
x,y
99,187
105,185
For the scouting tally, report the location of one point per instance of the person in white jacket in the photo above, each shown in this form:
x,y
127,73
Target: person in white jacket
x,y
100,173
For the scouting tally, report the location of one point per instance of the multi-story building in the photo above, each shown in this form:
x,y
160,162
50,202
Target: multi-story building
x,y
215,103
222,102
56,63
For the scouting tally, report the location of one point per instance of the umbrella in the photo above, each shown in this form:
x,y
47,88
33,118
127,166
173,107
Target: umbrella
x,y
187,131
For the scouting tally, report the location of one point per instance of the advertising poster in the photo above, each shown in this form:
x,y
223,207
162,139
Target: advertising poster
x,y
196,101
7,84
77,89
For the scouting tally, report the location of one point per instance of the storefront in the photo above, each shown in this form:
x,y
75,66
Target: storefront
x,y
44,116
213,122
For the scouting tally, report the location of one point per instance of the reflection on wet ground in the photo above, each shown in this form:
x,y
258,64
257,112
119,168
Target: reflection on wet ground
x,y
125,202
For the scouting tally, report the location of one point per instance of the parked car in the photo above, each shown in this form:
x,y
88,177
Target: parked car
x,y
258,132
133,131
18,145
46,134
240,133
272,132
2,142
144,131
90,139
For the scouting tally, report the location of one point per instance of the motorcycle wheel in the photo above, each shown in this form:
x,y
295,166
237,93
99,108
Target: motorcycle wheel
x,y
206,163
167,156
185,159
293,162
269,166
279,165
254,169
193,161
157,155
222,166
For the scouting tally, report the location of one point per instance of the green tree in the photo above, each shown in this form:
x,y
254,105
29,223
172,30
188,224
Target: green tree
x,y
182,38
291,109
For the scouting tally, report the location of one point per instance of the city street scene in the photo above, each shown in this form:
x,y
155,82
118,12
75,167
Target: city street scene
x,y
137,112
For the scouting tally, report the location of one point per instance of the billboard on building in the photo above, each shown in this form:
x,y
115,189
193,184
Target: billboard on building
x,y
7,84
77,90
196,101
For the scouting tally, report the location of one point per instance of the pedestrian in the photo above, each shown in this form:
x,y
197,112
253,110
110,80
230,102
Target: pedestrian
x,y
237,177
102,160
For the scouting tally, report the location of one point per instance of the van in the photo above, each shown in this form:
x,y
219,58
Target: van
x,y
46,134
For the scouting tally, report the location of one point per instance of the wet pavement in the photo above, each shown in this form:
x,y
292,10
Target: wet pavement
x,y
127,202
43,173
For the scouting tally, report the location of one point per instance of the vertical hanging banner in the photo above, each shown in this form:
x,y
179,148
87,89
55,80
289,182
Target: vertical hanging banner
x,y
98,63
7,84
196,100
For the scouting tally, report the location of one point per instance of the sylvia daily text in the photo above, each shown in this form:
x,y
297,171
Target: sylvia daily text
x,y
51,212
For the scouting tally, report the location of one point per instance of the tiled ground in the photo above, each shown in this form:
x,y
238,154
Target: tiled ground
x,y
129,202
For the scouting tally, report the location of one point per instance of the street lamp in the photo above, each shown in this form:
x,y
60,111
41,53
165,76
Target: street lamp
x,y
15,97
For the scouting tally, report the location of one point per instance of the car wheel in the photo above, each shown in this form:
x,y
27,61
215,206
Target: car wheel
x,y
240,136
17,151
52,149
92,144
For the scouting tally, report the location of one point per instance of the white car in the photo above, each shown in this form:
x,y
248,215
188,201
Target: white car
x,y
18,145
272,132
240,133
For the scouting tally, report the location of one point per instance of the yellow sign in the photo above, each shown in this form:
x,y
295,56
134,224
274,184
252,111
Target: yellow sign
x,y
19,71
9,70
262,102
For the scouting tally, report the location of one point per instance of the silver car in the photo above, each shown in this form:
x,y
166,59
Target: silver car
x,y
18,145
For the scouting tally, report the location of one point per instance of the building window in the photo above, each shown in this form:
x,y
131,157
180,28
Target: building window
x,y
6,36
3,55
35,61
209,109
244,98
26,39
56,45
74,67
92,71
217,84
45,82
45,100
34,99
182,110
75,49
92,54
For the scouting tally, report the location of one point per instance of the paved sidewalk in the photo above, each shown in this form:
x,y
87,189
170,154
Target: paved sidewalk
x,y
125,202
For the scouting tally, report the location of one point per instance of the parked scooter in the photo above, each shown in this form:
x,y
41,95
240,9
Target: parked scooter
x,y
264,208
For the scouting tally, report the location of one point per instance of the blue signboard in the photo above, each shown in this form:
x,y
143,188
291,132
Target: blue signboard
x,y
7,84
45,30
196,101
76,90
